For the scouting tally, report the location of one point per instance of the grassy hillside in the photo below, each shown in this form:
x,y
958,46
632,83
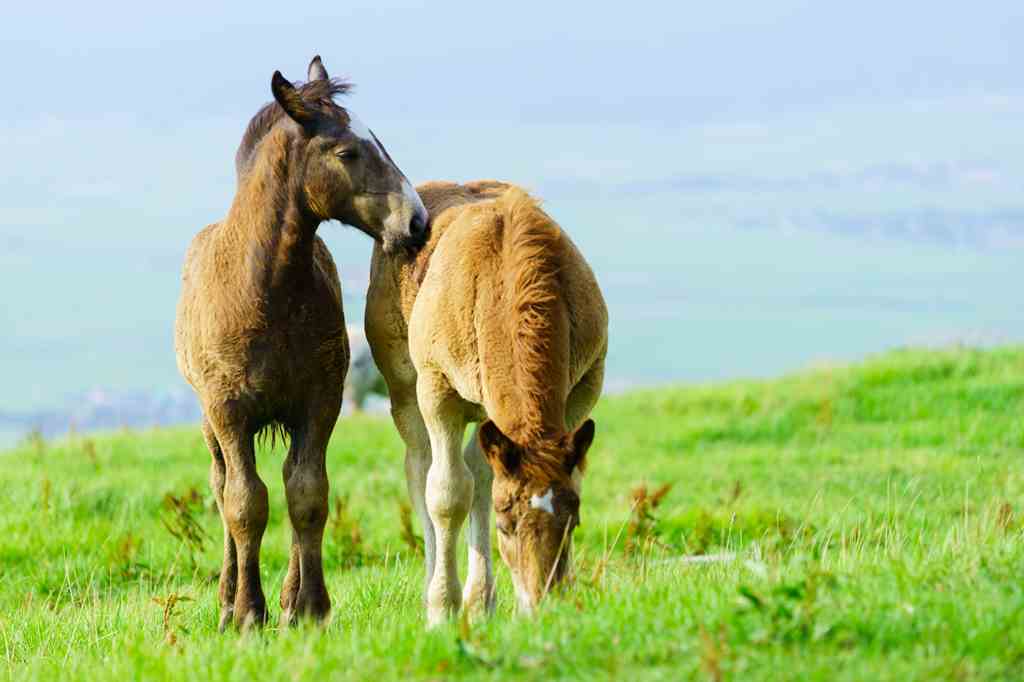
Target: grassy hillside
x,y
854,523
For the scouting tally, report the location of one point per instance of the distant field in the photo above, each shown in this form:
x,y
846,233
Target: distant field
x,y
865,523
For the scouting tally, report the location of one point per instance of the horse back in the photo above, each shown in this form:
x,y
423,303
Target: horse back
x,y
508,308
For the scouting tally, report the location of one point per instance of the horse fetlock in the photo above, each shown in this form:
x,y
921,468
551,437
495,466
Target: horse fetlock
x,y
314,604
250,620
478,595
227,616
316,609
249,612
444,597
437,615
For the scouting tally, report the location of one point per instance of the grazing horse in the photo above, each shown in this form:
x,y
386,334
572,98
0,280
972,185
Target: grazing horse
x,y
498,319
260,332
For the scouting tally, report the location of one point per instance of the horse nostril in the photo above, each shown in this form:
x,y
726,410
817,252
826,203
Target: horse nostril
x,y
417,226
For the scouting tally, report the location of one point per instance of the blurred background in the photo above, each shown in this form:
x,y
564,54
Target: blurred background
x,y
758,186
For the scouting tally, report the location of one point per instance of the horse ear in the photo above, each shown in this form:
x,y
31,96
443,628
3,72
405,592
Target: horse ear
x,y
581,442
291,101
317,71
498,449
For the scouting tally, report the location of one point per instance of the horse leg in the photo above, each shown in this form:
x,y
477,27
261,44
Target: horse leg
x,y
306,489
245,511
409,422
584,395
290,587
449,490
478,594
229,567
579,404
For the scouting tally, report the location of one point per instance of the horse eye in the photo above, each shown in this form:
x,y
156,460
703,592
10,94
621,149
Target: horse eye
x,y
346,154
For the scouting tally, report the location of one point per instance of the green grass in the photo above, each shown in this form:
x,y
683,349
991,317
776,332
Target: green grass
x,y
871,520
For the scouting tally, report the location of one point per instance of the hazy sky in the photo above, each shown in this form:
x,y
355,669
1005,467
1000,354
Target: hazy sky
x,y
889,130
102,98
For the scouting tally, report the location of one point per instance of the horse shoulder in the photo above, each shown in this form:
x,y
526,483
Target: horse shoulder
x,y
458,292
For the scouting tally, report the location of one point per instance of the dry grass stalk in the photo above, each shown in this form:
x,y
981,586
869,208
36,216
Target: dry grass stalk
x,y
413,541
642,527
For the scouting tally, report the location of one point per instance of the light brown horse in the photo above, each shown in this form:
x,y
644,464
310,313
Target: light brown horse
x,y
500,320
260,332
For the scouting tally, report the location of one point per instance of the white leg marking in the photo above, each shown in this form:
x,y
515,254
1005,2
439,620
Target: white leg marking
x,y
449,494
414,198
479,588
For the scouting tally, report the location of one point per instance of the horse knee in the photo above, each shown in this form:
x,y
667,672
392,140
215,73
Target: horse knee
x,y
246,505
449,492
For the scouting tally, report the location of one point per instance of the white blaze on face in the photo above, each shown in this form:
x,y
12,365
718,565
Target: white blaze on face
x,y
414,198
360,130
544,501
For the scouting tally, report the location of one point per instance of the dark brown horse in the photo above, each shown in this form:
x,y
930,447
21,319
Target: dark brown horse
x,y
260,333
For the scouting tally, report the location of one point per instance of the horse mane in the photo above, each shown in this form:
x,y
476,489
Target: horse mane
x,y
533,250
545,464
321,91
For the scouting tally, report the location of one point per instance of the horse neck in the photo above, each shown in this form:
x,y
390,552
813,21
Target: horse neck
x,y
269,223
530,337
528,390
